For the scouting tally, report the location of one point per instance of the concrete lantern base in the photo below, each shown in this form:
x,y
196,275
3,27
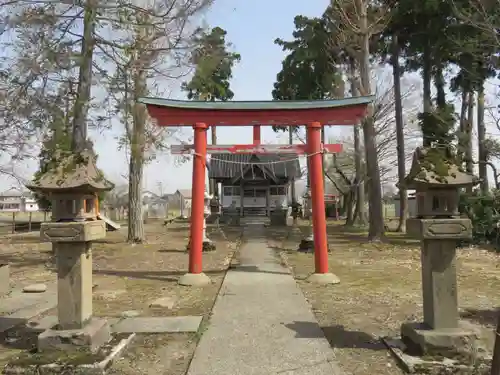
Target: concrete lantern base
x,y
92,336
448,342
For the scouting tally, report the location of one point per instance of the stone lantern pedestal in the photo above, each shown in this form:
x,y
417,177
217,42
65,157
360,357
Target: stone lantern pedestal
x,y
439,227
440,333
72,188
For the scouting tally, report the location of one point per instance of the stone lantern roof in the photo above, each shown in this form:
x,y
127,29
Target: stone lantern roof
x,y
76,173
434,167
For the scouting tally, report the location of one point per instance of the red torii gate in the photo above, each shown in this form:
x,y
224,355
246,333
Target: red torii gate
x,y
201,114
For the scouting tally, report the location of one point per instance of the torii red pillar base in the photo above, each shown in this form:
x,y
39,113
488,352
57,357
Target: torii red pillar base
x,y
321,274
195,276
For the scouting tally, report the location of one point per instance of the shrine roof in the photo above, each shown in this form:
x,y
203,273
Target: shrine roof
x,y
258,105
231,165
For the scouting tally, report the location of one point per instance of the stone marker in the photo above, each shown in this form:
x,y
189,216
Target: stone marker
x,y
35,288
437,180
130,314
163,302
73,186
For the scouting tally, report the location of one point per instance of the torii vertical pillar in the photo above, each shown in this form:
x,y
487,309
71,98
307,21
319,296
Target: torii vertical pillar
x,y
256,135
195,276
315,155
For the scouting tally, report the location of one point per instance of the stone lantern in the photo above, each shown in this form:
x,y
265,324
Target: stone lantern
x,y
73,187
437,180
208,245
307,243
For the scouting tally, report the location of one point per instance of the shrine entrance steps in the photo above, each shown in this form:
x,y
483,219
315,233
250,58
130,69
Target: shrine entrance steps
x,y
261,322
254,220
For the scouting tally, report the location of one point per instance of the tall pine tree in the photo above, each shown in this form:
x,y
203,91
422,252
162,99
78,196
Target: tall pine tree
x,y
214,69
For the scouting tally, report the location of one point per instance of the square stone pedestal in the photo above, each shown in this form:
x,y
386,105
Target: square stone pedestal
x,y
76,327
4,279
421,340
92,336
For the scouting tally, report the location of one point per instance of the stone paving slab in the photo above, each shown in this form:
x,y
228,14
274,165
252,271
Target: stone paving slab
x,y
49,321
261,322
167,324
18,300
19,308
170,324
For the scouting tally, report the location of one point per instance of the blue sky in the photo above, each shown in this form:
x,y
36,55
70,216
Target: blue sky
x,y
252,26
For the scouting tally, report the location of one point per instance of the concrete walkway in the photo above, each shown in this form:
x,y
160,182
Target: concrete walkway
x,y
261,323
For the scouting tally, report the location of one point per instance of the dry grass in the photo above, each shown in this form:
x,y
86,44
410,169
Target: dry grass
x,y
380,289
131,277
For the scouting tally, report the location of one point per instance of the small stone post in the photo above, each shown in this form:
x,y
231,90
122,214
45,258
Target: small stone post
x,y
437,181
72,187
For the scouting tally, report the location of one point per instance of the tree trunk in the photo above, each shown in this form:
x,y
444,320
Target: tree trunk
x,y
400,139
135,211
462,126
376,215
136,163
481,137
427,78
349,203
469,163
440,83
81,106
360,215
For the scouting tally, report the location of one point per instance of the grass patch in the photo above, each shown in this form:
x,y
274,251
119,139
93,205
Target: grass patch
x,y
380,289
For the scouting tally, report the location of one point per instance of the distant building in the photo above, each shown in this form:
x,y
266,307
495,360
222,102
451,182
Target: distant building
x,y
15,200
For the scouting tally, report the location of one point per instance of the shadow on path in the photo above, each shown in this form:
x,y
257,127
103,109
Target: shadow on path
x,y
337,336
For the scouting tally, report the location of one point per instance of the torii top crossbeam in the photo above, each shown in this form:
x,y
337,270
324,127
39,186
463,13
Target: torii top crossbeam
x,y
313,114
281,112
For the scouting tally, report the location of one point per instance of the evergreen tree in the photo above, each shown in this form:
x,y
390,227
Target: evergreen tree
x,y
58,136
214,67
